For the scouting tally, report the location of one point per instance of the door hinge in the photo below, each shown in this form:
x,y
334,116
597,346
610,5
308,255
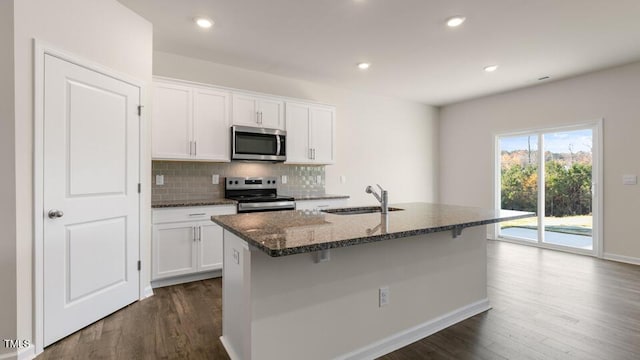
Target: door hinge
x,y
140,110
139,265
139,188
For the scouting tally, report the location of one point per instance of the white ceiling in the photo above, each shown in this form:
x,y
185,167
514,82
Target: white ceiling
x,y
414,55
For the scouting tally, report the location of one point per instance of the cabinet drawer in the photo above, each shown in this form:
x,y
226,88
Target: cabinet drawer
x,y
193,213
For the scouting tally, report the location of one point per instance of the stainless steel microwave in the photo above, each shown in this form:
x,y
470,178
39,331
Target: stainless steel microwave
x,y
258,144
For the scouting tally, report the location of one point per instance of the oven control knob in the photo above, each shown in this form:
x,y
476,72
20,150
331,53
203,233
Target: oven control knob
x,y
230,182
236,182
268,181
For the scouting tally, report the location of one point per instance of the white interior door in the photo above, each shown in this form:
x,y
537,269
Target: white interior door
x,y
91,213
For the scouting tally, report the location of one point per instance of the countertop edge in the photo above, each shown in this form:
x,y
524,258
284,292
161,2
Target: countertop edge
x,y
188,203
363,240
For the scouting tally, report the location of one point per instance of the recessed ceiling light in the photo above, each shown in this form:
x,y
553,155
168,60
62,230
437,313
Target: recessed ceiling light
x,y
491,68
364,65
455,21
204,22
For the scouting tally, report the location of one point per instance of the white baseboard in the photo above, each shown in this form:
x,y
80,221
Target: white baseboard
x,y
404,338
232,354
26,353
186,278
622,258
147,292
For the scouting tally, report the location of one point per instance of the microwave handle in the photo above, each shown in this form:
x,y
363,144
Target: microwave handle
x,y
278,145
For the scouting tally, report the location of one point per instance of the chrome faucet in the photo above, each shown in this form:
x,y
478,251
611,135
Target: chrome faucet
x,y
383,197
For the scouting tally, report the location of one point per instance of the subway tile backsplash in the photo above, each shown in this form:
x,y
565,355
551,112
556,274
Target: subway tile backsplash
x,y
192,180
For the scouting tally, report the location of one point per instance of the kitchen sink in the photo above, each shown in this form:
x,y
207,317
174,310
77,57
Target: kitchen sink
x,y
358,210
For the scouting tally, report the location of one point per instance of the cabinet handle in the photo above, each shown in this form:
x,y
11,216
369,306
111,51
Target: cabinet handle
x,y
195,148
190,148
198,214
200,233
310,153
194,233
258,117
314,153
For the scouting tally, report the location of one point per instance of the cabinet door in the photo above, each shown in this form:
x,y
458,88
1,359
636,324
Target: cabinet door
x,y
272,114
210,243
245,110
211,125
321,138
297,133
171,118
174,249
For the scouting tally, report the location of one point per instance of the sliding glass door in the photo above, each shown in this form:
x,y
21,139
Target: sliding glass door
x,y
553,173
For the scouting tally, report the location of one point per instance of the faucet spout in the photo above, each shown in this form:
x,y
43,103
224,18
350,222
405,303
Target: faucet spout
x,y
383,198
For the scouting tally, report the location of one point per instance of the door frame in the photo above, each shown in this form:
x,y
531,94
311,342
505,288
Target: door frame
x,y
597,181
40,49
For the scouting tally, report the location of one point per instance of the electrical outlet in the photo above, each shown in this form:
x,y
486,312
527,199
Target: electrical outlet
x,y
159,179
215,179
236,256
629,179
283,179
383,296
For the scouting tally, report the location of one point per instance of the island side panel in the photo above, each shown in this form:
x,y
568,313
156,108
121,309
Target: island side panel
x,y
301,309
236,293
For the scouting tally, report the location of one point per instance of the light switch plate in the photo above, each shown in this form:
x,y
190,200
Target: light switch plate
x,y
629,179
343,179
159,179
283,179
215,179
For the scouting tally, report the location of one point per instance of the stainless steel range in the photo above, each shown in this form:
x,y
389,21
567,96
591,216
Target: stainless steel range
x,y
256,194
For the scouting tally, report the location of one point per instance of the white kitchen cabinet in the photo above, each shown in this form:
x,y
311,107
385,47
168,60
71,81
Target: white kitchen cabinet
x,y
174,249
172,121
310,133
185,240
190,122
321,204
210,254
257,111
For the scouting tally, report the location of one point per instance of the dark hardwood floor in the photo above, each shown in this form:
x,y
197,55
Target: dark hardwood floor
x,y
546,305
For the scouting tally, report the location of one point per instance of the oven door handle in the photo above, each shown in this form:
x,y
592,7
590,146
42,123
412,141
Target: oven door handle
x,y
267,205
278,145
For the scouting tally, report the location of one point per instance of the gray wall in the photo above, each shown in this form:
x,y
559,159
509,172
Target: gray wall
x,y
468,129
8,319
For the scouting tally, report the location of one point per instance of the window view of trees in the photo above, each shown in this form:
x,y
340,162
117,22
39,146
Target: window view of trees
x,y
567,183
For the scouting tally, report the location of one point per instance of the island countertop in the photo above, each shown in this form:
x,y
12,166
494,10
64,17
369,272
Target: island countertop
x,y
282,233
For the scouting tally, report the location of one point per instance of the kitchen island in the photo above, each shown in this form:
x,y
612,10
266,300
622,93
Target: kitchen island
x,y
314,285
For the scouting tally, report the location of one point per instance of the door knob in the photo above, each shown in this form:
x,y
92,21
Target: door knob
x,y
54,214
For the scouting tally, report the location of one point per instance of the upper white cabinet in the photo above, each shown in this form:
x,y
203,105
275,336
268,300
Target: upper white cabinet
x,y
310,133
257,111
190,122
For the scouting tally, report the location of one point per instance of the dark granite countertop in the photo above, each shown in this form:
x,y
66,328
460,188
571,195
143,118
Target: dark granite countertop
x,y
198,202
318,197
282,233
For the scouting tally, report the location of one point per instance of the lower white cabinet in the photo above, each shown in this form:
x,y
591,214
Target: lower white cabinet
x,y
321,204
185,241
